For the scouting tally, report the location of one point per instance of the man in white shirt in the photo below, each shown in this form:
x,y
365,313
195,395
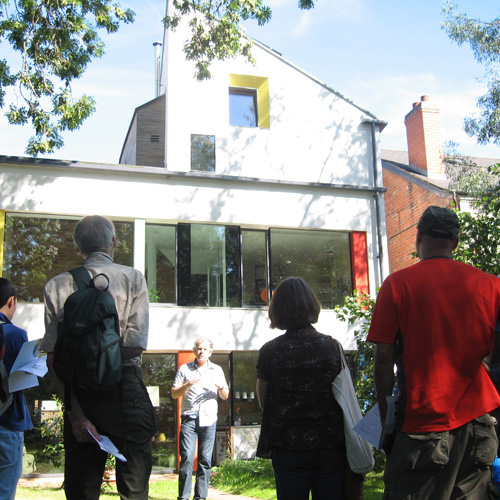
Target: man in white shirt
x,y
199,382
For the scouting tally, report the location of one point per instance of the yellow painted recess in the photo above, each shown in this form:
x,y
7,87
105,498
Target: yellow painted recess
x,y
2,238
262,85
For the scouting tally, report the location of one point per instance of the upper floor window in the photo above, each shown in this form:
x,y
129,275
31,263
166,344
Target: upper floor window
x,y
161,262
249,101
37,248
243,107
322,258
208,265
203,153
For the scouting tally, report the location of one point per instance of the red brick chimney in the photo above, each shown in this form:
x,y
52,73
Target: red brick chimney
x,y
423,132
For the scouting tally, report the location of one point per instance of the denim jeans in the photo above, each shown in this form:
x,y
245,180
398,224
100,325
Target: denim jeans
x,y
11,461
320,472
190,432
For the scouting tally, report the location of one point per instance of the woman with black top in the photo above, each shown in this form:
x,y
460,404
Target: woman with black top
x,y
302,426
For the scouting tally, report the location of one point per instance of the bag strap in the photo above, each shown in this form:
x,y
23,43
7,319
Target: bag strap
x,y
81,277
343,360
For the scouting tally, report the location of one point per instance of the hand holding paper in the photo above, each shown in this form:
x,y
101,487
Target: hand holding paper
x,y
107,446
27,367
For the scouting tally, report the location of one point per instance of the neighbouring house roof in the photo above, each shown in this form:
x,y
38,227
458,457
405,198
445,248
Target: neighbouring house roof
x,y
397,162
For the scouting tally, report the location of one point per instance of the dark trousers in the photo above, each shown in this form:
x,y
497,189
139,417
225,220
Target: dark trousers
x,y
445,465
127,417
320,472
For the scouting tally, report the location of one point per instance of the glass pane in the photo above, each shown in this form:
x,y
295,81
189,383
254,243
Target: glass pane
x,y
160,262
208,266
38,248
203,153
44,441
253,251
159,372
246,410
322,258
243,107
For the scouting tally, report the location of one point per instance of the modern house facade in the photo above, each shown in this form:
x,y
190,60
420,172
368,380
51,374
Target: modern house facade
x,y
224,188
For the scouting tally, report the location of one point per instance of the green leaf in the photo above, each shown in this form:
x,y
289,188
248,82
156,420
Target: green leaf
x,y
57,40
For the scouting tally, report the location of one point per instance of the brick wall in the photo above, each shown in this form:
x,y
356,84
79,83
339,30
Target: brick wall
x,y
404,203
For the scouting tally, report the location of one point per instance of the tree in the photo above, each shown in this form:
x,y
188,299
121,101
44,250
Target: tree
x,y
216,31
464,175
56,40
358,309
484,40
480,232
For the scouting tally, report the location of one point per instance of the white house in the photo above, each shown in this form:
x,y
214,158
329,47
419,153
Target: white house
x,y
225,187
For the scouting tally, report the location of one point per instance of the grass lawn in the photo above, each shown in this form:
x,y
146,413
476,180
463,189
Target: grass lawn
x,y
167,490
159,490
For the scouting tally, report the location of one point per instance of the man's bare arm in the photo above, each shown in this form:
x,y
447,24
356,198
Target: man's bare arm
x,y
180,390
384,375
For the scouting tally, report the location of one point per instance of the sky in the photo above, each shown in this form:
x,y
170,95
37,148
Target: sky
x,y
383,56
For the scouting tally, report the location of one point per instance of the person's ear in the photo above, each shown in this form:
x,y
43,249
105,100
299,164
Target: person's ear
x,y
455,243
11,302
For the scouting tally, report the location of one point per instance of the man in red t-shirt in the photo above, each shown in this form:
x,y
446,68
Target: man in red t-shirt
x,y
436,320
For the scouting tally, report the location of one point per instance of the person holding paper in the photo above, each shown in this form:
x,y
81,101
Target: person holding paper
x,y
437,321
16,419
199,383
124,415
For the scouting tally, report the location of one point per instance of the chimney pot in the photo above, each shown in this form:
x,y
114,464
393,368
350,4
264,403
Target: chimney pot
x,y
415,104
424,98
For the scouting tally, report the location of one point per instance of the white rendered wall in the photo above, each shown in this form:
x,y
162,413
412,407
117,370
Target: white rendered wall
x,y
131,193
315,135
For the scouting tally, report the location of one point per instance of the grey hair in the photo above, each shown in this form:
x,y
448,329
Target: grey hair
x,y
94,233
200,340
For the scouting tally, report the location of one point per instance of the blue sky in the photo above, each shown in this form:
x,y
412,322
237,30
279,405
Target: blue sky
x,y
381,55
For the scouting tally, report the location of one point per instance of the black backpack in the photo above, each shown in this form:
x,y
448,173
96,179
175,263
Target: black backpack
x,y
87,352
5,396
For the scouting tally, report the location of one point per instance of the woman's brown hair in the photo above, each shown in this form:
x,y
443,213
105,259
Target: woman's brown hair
x,y
293,305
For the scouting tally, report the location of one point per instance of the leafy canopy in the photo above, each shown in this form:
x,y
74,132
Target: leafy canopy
x,y
216,30
56,40
480,232
484,40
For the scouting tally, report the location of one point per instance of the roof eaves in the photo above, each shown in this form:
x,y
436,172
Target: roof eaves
x,y
437,186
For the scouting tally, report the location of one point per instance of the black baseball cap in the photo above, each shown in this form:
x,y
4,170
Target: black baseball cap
x,y
439,222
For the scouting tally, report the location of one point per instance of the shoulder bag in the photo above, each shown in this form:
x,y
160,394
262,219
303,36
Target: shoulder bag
x,y
359,451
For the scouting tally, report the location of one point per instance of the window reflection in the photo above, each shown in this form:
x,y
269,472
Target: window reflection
x,y
322,258
243,107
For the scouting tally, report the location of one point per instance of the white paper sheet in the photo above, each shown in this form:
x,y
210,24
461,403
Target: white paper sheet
x,y
370,426
28,366
107,445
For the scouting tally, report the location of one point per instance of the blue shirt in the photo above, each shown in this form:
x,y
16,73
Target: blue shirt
x,y
17,417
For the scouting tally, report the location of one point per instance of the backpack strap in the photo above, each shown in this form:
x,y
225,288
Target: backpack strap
x,y
81,277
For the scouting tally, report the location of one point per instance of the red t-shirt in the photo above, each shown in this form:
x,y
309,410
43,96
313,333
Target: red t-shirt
x,y
444,313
